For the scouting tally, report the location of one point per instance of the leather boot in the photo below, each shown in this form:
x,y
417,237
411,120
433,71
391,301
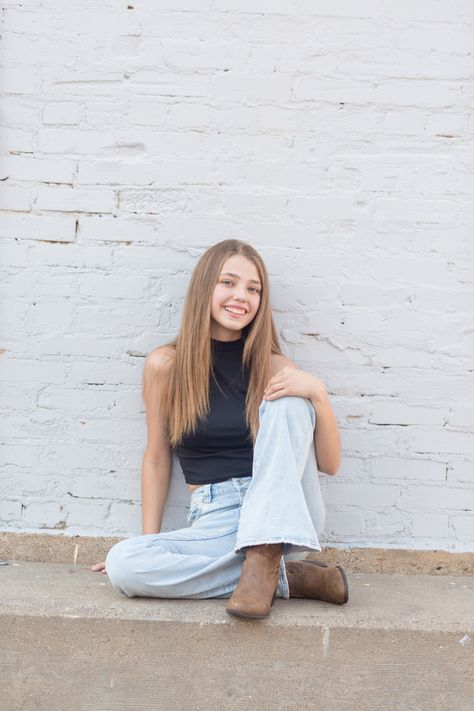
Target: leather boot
x,y
315,580
255,591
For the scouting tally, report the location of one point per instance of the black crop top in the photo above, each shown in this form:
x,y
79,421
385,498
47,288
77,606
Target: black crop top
x,y
221,447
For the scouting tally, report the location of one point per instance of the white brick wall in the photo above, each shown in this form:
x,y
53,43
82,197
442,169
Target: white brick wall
x,y
336,137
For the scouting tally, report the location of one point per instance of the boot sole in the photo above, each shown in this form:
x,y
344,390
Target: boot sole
x,y
346,586
244,614
236,613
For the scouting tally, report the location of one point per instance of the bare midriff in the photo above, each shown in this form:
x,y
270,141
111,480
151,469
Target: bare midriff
x,y
191,487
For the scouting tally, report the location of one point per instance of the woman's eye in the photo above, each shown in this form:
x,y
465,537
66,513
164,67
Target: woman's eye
x,y
252,288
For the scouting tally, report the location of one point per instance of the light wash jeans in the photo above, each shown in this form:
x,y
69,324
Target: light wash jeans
x,y
280,503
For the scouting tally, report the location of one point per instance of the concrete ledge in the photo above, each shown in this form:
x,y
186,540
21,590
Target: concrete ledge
x,y
59,548
377,601
70,641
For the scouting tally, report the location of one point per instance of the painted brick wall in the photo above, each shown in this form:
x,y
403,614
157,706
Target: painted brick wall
x,y
336,137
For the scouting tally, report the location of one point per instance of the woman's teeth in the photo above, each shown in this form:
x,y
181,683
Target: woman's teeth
x,y
234,312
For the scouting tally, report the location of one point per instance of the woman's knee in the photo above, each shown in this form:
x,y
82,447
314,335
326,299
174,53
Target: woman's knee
x,y
299,406
117,564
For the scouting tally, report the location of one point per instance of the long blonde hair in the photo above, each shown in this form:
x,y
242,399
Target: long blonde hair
x,y
186,392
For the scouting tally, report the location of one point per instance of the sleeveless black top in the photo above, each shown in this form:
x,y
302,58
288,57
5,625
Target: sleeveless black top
x,y
221,446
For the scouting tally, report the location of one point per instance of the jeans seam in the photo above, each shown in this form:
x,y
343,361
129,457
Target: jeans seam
x,y
195,538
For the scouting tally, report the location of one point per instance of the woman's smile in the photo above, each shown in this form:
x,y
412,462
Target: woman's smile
x,y
232,313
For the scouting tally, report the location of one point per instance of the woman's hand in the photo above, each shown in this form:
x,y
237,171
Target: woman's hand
x,y
293,381
99,567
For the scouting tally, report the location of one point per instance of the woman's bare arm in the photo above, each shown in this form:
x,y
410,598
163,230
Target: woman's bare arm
x,y
155,485
327,439
157,458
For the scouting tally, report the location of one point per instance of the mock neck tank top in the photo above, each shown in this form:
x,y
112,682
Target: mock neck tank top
x,y
221,447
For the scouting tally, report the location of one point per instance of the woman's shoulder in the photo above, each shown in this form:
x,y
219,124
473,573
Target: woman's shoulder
x,y
160,359
280,361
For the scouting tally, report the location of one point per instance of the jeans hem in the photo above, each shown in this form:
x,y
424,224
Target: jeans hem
x,y
309,545
283,584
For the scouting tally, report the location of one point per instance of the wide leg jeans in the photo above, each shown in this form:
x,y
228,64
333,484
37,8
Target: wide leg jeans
x,y
280,503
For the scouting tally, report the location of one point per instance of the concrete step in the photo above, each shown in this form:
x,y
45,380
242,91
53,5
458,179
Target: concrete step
x,y
69,641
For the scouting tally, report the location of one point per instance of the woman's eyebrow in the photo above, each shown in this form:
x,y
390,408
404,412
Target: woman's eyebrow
x,y
255,281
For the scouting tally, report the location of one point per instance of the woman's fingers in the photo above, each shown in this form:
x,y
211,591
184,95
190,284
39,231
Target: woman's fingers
x,y
98,567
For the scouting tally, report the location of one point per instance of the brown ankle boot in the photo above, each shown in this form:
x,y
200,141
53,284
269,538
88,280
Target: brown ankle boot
x,y
315,580
253,596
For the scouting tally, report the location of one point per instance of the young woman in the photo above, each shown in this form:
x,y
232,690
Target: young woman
x,y
241,419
